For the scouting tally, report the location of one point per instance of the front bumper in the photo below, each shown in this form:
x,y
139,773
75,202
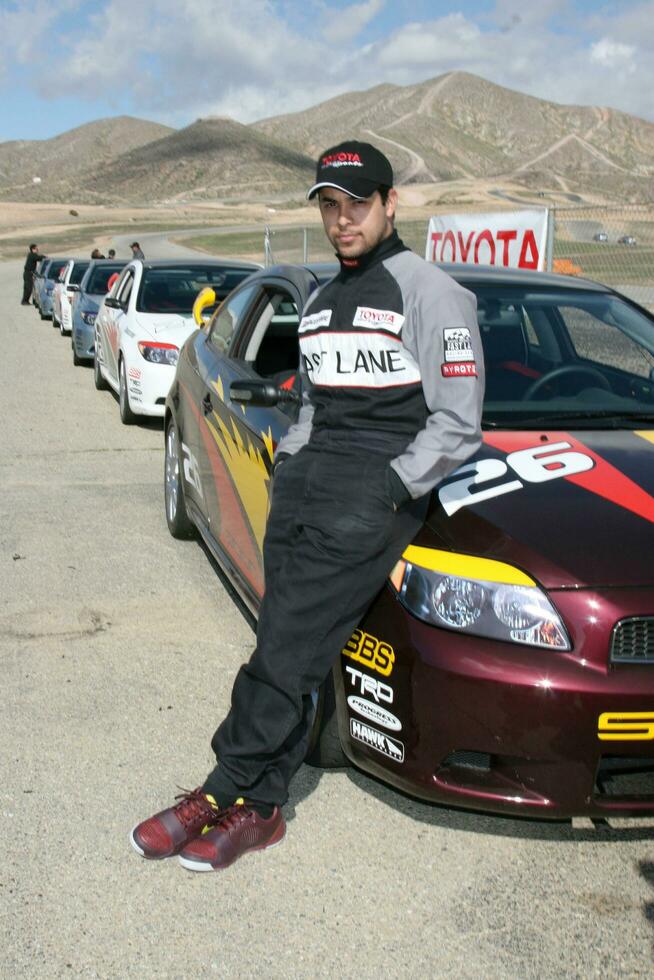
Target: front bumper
x,y
83,335
503,727
148,384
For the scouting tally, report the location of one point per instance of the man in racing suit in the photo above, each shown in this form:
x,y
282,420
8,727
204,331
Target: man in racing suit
x,y
392,374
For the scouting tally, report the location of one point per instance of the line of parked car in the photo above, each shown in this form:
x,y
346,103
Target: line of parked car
x,y
508,664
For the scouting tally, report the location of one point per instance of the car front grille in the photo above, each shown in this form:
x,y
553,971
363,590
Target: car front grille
x,y
633,641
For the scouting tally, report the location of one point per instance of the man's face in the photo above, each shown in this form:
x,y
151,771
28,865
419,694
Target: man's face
x,y
354,225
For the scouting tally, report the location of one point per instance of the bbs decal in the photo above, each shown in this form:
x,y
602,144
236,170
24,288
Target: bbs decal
x,y
536,465
373,653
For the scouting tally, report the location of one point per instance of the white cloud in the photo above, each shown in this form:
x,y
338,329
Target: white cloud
x,y
345,24
175,60
613,54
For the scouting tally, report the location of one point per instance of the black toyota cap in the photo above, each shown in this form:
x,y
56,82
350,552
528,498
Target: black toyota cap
x,y
356,168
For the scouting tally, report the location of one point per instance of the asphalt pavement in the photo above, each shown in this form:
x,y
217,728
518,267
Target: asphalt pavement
x,y
118,648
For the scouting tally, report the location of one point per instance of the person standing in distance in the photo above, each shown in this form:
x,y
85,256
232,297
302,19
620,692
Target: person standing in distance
x,y
31,262
383,420
137,251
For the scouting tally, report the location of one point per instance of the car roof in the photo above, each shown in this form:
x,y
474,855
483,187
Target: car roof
x,y
518,277
183,262
486,274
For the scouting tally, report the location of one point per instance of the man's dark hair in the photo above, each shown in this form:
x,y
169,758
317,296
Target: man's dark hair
x,y
33,246
384,190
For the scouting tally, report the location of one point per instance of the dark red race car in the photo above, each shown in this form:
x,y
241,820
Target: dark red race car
x,y
508,664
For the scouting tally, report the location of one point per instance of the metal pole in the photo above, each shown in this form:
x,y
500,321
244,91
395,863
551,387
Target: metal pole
x,y
551,218
305,245
267,251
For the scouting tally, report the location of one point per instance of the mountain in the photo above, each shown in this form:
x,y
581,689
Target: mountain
x,y
459,125
59,161
211,158
455,126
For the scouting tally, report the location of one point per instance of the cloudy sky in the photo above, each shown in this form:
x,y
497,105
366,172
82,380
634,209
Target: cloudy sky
x,y
65,62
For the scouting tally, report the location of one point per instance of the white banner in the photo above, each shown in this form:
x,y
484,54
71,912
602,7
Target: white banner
x,y
514,239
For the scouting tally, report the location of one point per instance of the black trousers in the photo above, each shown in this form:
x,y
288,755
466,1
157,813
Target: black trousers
x,y
28,285
332,538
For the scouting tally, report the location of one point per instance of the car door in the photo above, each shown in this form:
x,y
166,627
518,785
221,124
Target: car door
x,y
211,439
264,346
113,322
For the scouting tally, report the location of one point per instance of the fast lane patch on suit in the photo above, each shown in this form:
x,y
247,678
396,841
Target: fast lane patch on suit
x,y
457,345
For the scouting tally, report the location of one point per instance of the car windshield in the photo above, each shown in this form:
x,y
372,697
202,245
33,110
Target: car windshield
x,y
98,280
175,289
565,356
77,274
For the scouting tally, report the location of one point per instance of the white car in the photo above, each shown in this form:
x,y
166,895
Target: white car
x,y
143,321
64,292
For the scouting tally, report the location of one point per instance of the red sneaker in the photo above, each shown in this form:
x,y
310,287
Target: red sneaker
x,y
238,829
168,831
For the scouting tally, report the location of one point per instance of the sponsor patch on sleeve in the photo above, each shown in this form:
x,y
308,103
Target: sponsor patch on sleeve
x,y
315,321
457,345
464,369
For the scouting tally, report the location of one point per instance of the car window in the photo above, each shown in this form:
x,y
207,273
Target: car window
x,y
556,355
98,278
78,272
229,315
598,341
125,288
273,348
174,289
55,268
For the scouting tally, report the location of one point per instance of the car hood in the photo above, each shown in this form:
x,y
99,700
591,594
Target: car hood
x,y
174,328
570,508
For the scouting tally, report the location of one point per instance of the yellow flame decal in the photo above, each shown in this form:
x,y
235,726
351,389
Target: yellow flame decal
x,y
248,471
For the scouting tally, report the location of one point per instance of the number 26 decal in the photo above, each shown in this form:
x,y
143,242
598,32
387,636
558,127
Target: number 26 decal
x,y
536,465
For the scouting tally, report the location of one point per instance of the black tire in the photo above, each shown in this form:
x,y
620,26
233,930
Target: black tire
x,y
98,380
127,416
77,361
325,750
177,519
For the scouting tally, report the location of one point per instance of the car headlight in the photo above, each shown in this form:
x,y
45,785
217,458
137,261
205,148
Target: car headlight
x,y
159,353
88,317
477,596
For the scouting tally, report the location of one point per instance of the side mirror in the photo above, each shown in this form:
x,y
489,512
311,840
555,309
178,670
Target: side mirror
x,y
72,287
264,394
112,303
205,298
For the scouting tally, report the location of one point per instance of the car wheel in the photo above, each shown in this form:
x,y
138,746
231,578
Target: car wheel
x,y
98,380
76,360
179,523
55,322
325,750
61,328
127,416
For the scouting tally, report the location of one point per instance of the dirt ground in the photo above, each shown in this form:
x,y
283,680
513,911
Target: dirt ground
x,y
71,226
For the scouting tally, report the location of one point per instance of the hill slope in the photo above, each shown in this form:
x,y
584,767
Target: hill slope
x,y
459,125
211,158
59,161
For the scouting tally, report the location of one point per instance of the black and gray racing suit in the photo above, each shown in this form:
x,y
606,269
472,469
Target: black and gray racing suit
x,y
393,381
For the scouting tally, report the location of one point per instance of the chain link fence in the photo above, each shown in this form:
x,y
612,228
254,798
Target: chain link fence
x,y
614,245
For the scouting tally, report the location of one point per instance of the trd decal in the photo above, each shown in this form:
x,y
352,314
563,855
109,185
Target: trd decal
x,y
566,459
370,652
626,726
368,685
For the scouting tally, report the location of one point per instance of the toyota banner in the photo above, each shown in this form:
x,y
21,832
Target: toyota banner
x,y
513,239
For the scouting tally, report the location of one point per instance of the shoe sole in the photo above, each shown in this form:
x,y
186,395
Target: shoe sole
x,y
191,865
